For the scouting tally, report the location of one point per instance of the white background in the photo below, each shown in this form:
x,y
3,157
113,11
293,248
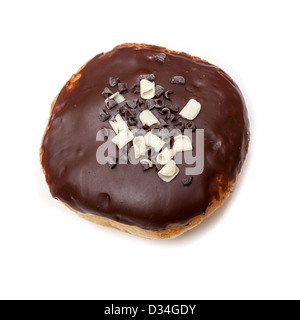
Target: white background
x,y
249,249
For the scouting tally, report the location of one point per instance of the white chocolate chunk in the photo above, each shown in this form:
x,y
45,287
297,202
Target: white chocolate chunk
x,y
114,125
122,138
165,156
147,161
169,171
117,97
154,141
123,134
147,89
182,143
122,125
148,118
119,124
139,146
191,110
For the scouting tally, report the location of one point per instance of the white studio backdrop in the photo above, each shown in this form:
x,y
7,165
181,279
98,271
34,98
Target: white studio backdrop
x,y
249,249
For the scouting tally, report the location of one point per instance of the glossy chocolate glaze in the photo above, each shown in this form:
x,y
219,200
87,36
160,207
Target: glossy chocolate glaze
x,y
128,194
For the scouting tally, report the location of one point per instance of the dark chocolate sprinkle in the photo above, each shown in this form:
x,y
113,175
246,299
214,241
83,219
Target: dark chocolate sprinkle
x,y
132,121
180,126
174,117
113,81
136,89
111,104
122,87
122,111
174,107
107,92
146,128
163,123
159,90
155,126
158,101
172,140
104,115
164,111
167,94
178,80
130,144
150,104
187,181
140,102
158,106
190,126
132,104
142,108
129,113
161,57
150,77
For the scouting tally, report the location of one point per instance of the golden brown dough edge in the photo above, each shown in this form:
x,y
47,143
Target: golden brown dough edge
x,y
171,231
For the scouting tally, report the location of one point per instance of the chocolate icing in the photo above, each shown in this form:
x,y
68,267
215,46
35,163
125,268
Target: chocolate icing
x,y
128,194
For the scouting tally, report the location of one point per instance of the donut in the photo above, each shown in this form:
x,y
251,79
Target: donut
x,y
145,140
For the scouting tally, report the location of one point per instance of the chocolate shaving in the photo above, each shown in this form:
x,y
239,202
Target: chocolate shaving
x,y
159,104
132,121
140,102
122,111
159,90
113,81
164,111
104,115
158,101
174,107
167,94
163,123
150,104
161,57
190,126
129,113
149,77
155,126
142,108
180,126
122,87
111,104
178,80
146,128
130,144
132,104
107,92
174,117
172,140
187,181
136,89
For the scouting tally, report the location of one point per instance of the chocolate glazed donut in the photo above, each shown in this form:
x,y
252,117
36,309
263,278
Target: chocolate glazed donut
x,y
133,198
